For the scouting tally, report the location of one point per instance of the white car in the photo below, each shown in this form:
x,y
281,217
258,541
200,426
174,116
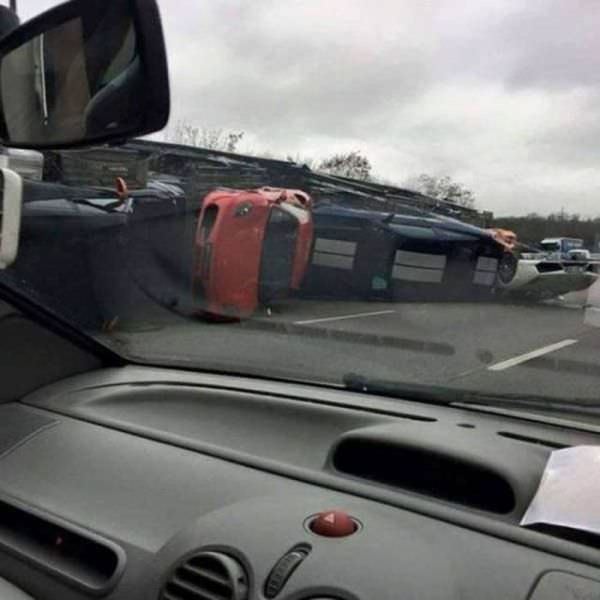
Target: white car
x,y
542,277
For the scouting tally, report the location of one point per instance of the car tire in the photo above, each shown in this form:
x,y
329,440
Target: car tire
x,y
507,268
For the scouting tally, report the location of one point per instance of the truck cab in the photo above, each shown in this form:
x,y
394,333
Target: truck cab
x,y
565,248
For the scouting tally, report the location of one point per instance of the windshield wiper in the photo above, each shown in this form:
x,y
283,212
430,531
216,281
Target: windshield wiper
x,y
445,396
429,394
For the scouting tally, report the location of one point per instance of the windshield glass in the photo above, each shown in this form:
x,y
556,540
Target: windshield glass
x,y
572,244
551,246
343,187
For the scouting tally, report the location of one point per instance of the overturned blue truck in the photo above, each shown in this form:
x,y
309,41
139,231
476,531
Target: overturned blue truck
x,y
403,255
366,245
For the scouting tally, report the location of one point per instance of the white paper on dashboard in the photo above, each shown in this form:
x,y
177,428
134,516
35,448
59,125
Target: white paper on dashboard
x,y
569,492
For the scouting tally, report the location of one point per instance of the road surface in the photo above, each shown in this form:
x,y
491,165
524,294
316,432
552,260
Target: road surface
x,y
550,349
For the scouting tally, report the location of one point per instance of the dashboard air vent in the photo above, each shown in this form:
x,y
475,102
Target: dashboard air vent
x,y
207,576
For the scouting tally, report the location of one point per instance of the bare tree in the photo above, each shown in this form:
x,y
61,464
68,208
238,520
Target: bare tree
x,y
443,188
186,133
349,164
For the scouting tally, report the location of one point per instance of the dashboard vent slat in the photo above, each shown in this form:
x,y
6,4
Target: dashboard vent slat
x,y
194,590
207,576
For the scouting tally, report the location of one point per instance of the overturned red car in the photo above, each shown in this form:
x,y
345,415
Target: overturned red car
x,y
251,247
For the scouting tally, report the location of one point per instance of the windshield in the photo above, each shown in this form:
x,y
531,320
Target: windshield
x,y
343,188
572,244
551,246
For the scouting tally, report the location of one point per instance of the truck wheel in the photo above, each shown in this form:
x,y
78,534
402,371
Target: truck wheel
x,y
507,268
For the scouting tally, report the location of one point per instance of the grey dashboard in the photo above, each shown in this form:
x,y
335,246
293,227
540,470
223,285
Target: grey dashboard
x,y
145,482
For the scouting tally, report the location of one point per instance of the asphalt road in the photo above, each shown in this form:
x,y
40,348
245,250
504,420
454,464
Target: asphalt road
x,y
550,349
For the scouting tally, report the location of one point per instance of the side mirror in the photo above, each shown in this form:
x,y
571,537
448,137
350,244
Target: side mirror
x,y
11,201
85,72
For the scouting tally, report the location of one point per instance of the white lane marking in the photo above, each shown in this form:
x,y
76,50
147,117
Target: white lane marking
x,y
344,317
517,360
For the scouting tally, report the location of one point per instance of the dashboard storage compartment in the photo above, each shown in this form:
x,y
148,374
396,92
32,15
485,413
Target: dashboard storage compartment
x,y
561,585
76,556
424,472
473,468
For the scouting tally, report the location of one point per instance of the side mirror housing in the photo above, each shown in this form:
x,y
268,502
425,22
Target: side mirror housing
x,y
11,202
9,20
86,72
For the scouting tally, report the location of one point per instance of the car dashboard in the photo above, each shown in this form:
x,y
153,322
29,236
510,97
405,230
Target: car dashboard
x,y
146,483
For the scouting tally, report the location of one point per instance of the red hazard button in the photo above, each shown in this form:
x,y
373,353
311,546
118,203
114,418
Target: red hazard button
x,y
333,523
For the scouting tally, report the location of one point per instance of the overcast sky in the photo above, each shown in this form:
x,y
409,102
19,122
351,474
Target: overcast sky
x,y
502,95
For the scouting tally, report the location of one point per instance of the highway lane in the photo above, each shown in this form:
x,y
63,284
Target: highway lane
x,y
568,372
550,348
537,348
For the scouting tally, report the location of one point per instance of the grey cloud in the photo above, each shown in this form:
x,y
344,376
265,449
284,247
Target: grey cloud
x,y
502,94
553,44
547,43
285,78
